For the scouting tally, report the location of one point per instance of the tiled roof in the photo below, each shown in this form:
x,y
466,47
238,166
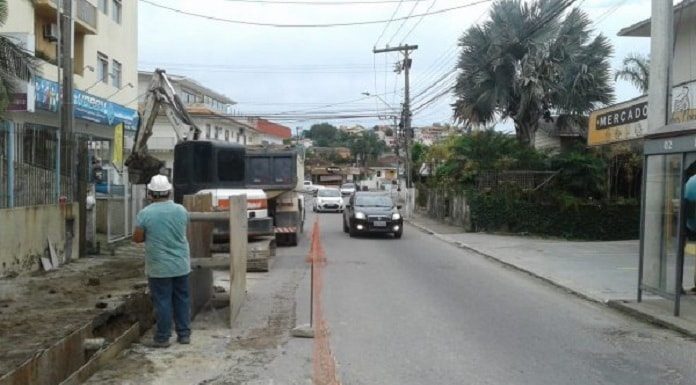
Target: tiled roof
x,y
274,129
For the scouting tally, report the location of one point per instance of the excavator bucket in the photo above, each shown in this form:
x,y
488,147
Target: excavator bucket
x,y
141,168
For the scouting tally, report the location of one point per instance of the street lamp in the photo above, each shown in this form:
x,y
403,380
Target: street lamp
x,y
380,99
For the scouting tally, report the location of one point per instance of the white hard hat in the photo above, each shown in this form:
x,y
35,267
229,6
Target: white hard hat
x,y
159,183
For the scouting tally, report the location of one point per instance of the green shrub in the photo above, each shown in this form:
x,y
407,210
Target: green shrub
x,y
503,212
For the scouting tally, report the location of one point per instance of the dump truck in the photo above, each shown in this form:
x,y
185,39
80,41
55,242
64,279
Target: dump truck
x,y
278,170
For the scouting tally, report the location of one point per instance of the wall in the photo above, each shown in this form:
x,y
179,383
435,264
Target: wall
x,y
446,206
684,65
117,41
25,232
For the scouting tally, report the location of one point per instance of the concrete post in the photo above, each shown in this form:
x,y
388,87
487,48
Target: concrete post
x,y
661,53
238,253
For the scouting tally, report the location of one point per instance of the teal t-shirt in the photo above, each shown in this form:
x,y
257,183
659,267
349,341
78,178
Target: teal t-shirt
x,y
166,246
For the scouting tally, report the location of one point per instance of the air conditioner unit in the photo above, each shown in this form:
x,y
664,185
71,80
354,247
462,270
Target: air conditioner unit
x,y
50,32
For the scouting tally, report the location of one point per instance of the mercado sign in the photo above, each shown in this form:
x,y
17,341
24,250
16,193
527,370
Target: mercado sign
x,y
86,106
629,120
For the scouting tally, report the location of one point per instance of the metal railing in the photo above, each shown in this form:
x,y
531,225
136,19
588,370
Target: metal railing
x,y
86,12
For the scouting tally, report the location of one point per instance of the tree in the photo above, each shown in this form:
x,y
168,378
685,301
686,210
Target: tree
x,y
323,134
635,70
16,64
529,61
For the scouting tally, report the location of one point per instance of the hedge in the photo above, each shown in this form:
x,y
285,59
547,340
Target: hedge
x,y
586,221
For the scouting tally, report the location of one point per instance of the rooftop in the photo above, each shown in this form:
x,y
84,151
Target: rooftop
x,y
682,11
194,86
273,129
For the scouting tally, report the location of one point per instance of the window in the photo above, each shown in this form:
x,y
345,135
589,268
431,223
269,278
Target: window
x,y
116,11
104,6
116,74
103,67
207,129
217,132
227,135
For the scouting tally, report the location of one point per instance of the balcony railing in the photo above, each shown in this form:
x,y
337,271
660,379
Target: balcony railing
x,y
85,12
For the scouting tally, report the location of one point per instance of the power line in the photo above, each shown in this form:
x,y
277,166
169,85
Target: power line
x,y
307,2
417,22
403,23
328,25
388,23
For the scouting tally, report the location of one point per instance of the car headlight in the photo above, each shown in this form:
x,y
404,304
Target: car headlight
x,y
396,216
359,215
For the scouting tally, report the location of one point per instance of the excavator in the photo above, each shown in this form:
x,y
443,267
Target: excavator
x,y
160,94
200,166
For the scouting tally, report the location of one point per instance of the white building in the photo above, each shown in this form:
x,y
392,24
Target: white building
x,y
208,108
627,120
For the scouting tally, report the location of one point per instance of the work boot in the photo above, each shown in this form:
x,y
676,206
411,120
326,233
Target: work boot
x,y
185,340
158,344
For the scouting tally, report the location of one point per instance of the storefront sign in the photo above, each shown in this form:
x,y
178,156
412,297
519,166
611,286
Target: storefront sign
x,y
86,107
333,170
624,121
117,158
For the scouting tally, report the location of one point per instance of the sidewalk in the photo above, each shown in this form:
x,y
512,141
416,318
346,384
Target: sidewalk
x,y
604,272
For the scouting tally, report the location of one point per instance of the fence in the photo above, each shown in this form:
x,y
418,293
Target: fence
x,y
28,163
117,206
524,179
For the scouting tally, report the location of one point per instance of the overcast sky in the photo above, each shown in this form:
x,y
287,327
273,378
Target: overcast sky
x,y
271,70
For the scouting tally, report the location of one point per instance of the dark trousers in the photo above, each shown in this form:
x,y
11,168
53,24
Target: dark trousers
x,y
170,297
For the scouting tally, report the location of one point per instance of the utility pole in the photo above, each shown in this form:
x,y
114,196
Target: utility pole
x,y
661,52
66,116
406,67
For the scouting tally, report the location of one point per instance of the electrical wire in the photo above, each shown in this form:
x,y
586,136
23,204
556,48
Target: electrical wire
x,y
327,25
307,2
417,22
410,14
388,23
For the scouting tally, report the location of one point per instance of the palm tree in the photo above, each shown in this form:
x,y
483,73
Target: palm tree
x,y
15,63
528,61
635,70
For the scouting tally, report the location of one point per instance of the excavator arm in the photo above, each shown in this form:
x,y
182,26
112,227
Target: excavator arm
x,y
160,95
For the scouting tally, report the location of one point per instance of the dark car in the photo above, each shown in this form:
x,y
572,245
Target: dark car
x,y
372,212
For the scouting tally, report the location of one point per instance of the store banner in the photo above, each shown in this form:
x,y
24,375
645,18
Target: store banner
x,y
86,106
117,157
629,120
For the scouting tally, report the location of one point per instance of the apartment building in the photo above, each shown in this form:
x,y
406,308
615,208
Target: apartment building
x,y
105,65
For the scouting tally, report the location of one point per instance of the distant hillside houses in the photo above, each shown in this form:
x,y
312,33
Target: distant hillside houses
x,y
430,135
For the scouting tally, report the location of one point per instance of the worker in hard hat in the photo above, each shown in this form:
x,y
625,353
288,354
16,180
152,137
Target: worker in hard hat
x,y
162,226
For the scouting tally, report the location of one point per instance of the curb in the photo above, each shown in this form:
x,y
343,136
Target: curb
x,y
614,304
622,307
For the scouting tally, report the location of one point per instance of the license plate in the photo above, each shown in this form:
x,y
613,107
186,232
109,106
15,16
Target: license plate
x,y
380,224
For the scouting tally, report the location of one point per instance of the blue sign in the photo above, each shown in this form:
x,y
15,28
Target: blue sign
x,y
85,106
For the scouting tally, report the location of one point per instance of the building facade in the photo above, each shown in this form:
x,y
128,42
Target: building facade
x,y
38,162
628,120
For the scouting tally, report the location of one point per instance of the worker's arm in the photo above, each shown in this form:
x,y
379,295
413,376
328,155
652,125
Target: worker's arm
x,y
139,235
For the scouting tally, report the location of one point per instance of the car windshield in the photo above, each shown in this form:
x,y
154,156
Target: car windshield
x,y
348,185
329,193
373,201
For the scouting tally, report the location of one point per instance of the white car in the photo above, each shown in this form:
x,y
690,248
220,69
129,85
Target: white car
x,y
347,188
328,199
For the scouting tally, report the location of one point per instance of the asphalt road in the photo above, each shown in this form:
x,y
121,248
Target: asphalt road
x,y
419,311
